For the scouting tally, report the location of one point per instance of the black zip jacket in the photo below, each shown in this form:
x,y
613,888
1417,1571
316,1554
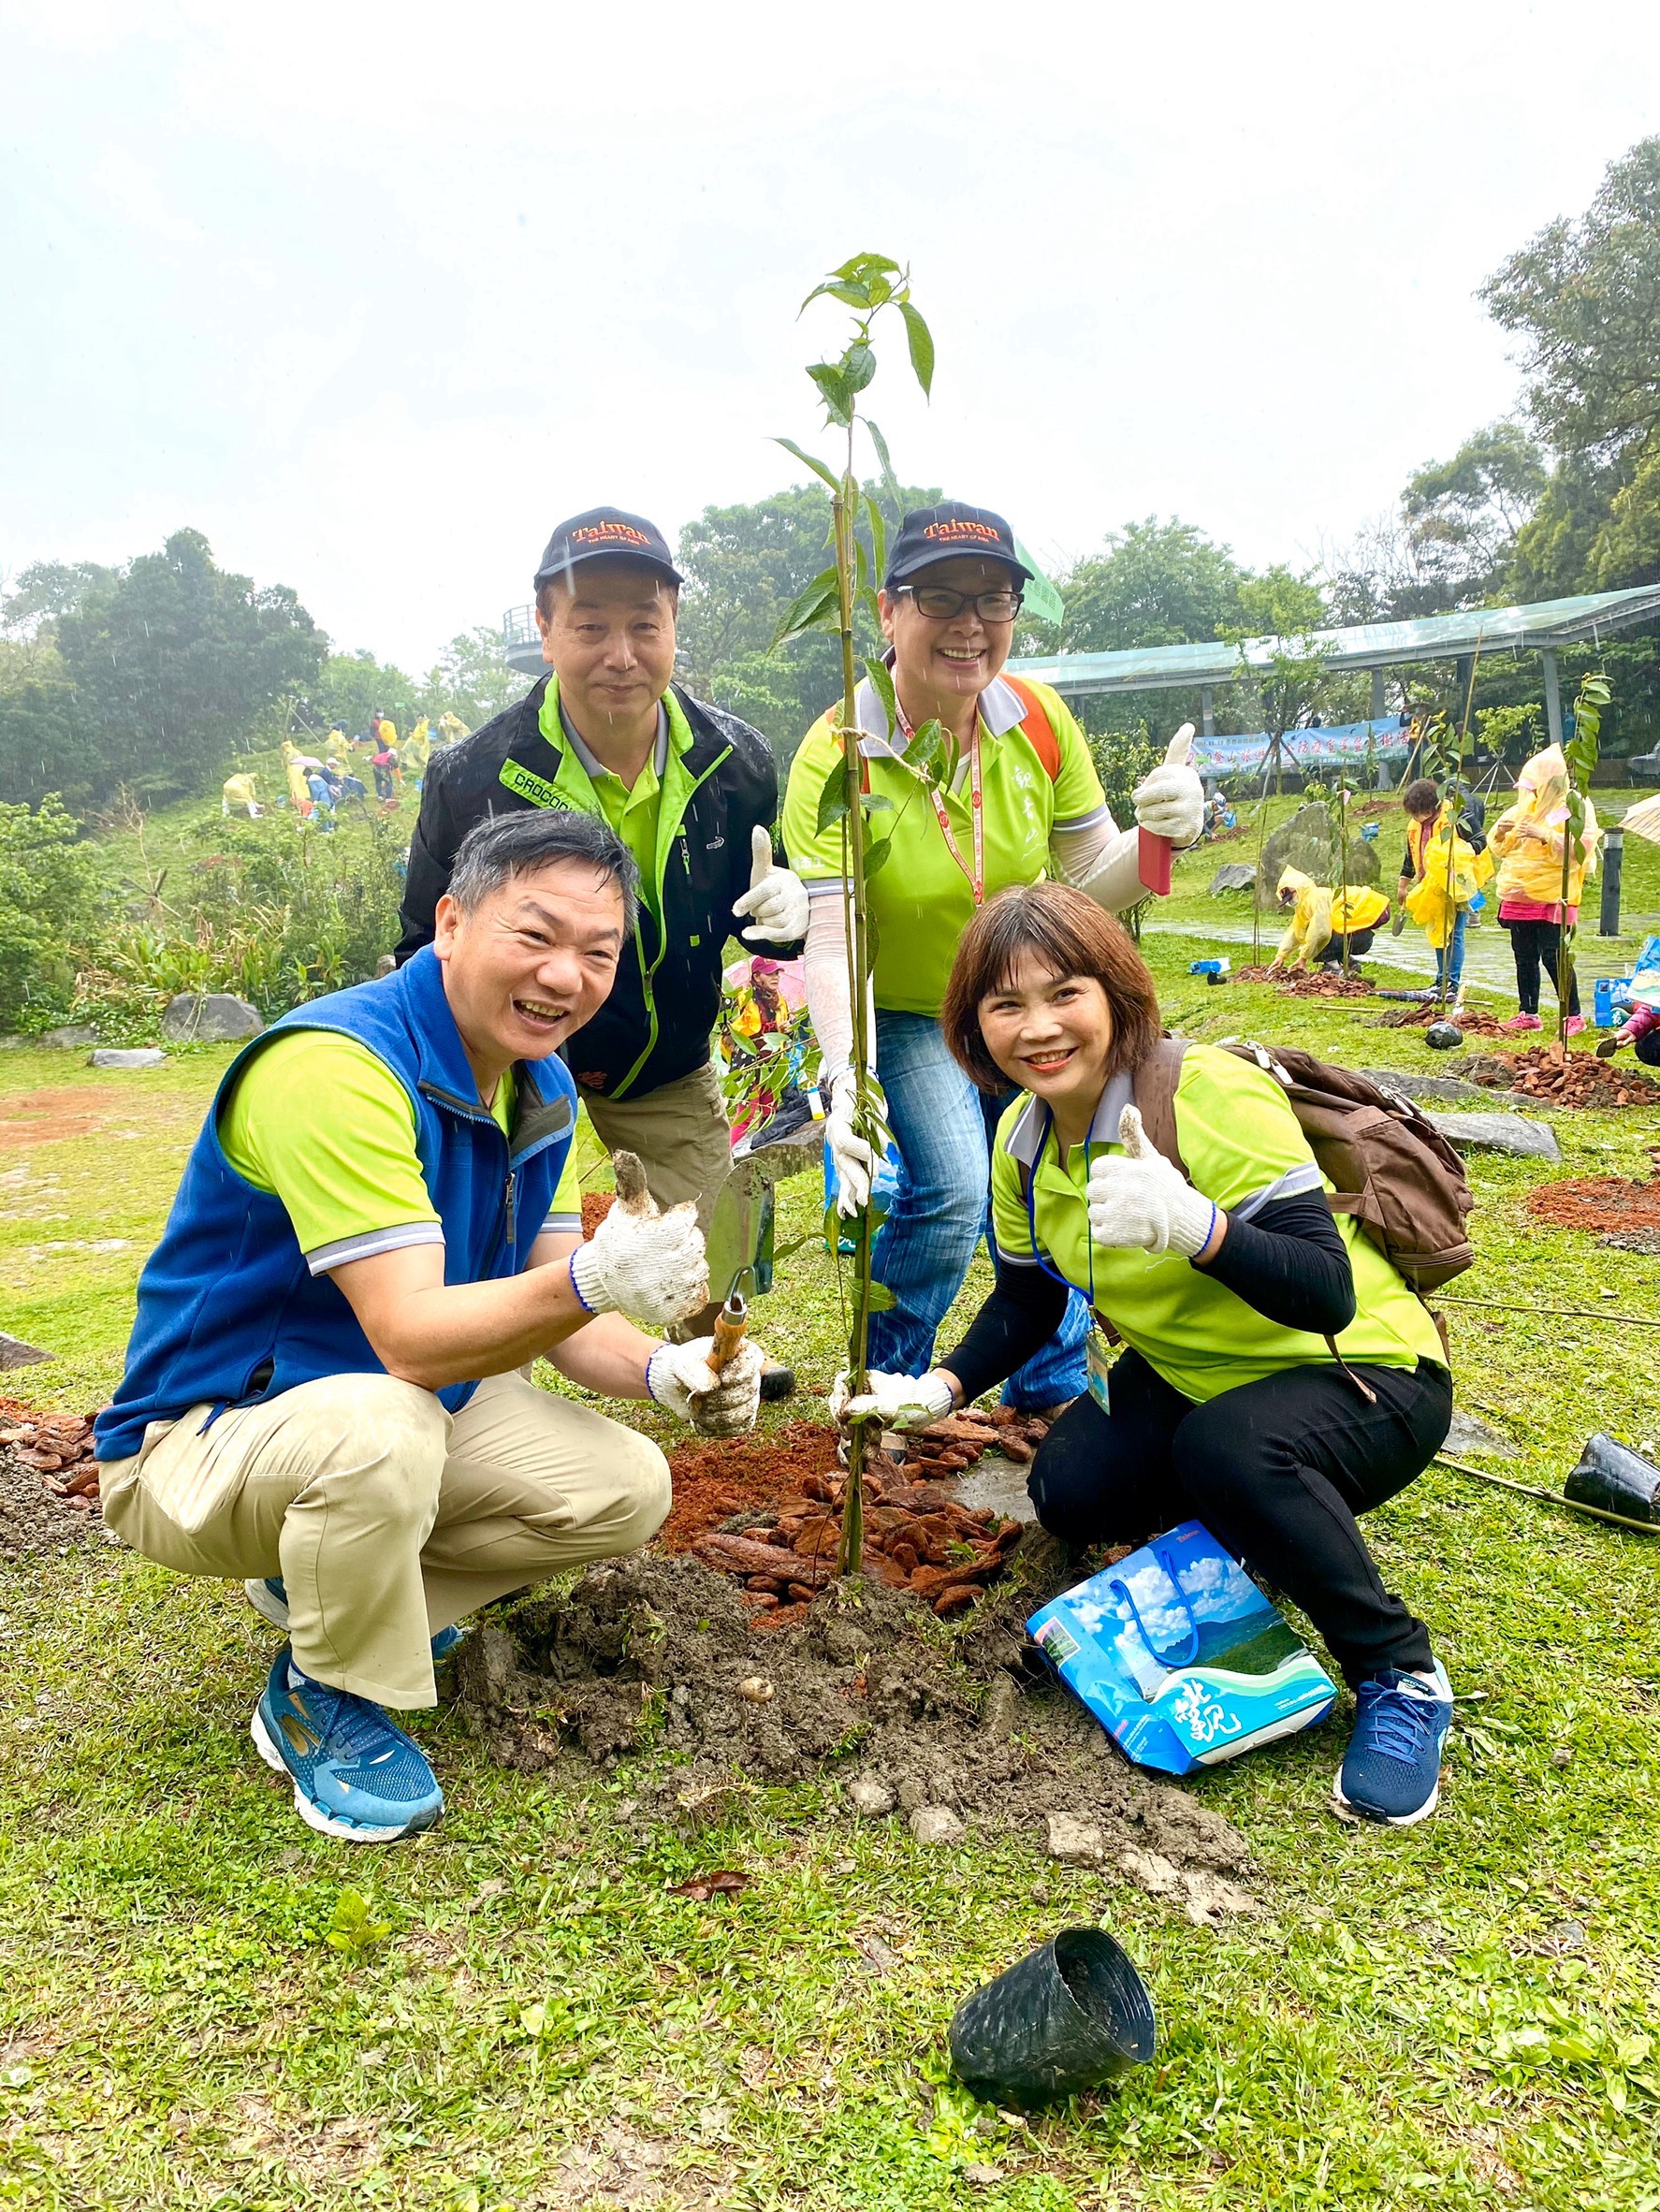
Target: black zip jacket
x,y
655,1027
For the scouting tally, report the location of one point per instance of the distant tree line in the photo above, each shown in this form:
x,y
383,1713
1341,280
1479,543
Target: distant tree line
x,y
156,675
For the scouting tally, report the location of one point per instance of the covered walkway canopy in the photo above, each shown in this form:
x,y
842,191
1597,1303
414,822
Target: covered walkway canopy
x,y
1375,646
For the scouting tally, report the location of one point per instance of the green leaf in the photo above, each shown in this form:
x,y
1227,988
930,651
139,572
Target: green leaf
x,y
850,294
876,859
858,365
879,541
927,750
863,267
921,341
806,459
872,606
881,683
881,1299
890,483
835,391
821,598
833,798
874,803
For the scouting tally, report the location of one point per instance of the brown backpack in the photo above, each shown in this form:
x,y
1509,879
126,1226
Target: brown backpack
x,y
1389,1165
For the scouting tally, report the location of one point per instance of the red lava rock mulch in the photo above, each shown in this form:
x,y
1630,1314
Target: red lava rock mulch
x,y
1578,1079
1606,1204
1473,1020
596,1204
59,1448
1322,983
917,1537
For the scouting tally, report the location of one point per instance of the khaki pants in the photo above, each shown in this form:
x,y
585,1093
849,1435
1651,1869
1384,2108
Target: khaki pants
x,y
386,1517
684,1143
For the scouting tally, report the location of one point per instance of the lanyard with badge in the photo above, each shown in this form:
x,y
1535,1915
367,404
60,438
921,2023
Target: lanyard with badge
x,y
976,877
1098,1366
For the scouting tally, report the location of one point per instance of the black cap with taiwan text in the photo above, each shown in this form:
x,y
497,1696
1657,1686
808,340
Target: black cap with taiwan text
x,y
930,534
605,533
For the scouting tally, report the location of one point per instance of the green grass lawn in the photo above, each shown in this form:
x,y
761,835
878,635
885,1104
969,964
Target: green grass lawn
x,y
1455,2016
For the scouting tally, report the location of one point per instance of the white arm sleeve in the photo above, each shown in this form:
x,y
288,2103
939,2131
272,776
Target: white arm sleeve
x,y
1100,860
829,1002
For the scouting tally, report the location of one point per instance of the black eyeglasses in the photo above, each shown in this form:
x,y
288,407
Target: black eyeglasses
x,y
942,606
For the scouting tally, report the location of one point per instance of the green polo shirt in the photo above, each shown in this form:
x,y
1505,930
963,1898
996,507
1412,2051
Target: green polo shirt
x,y
920,900
638,814
1243,1149
321,1122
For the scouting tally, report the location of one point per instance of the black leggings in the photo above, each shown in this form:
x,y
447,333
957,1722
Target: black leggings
x,y
1359,940
1537,944
1276,1471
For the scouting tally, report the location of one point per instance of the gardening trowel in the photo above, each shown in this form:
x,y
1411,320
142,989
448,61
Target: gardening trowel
x,y
1153,855
733,1241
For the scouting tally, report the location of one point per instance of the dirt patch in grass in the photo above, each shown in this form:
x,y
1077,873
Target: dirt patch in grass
x,y
1578,1079
1604,1204
1322,983
869,1695
742,1479
1473,1020
47,1117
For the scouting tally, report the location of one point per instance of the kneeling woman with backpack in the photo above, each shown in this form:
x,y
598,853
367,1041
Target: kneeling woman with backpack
x,y
1278,1375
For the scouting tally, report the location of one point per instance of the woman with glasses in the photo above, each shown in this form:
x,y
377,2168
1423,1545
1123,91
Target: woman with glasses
x,y
1022,801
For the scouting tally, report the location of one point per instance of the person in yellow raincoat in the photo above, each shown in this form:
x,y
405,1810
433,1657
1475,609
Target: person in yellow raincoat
x,y
413,753
238,796
1529,838
297,770
1325,922
1441,873
451,728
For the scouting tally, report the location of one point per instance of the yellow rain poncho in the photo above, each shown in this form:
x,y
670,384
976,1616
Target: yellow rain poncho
x,y
1451,873
1321,914
413,753
1528,837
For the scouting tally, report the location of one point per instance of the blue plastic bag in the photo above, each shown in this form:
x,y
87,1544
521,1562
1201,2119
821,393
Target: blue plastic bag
x,y
1180,1656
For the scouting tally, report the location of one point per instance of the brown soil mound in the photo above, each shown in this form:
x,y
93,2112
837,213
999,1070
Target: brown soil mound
x,y
1473,1020
1580,1078
1604,1204
1322,983
49,1480
657,1653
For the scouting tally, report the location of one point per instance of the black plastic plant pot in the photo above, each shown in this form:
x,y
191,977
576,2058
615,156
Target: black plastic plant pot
x,y
1066,2018
1617,1478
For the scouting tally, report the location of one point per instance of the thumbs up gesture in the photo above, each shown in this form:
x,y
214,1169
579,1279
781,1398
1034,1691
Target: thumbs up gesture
x,y
640,1261
1138,1199
1170,802
776,897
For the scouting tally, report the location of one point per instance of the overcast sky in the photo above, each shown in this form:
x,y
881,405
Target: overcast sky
x,y
373,295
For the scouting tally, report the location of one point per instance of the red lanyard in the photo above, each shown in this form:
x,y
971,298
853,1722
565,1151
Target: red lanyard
x,y
976,807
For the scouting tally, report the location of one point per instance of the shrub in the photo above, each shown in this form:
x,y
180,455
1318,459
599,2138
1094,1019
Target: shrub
x,y
49,902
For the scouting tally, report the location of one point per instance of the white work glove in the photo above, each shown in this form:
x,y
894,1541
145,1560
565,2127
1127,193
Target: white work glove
x,y
903,1401
777,896
723,1404
647,1264
1170,802
851,1155
1142,1200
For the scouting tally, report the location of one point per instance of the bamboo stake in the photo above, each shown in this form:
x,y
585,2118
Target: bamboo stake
x,y
1551,1497
1584,1313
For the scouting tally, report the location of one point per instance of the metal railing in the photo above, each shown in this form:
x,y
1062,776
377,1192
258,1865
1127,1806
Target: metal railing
x,y
518,628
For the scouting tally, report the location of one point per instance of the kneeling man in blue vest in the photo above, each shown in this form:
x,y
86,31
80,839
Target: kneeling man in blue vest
x,y
376,1228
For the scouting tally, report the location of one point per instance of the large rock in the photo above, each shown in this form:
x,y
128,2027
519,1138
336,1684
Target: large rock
x,y
216,1019
1233,875
72,1037
140,1057
14,1352
1512,1134
1305,842
1450,1089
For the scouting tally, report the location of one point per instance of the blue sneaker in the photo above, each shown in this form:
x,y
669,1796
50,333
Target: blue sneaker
x,y
269,1600
356,1775
1391,1770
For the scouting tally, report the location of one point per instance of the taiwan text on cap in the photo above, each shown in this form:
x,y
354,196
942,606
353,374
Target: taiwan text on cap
x,y
605,533
933,534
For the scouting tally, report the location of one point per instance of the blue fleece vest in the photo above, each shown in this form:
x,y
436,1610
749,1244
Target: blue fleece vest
x,y
229,1311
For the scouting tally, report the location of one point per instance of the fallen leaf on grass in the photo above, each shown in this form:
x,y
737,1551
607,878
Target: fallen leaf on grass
x,y
726,1883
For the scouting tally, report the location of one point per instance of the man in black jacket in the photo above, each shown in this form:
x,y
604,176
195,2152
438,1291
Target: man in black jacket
x,y
691,790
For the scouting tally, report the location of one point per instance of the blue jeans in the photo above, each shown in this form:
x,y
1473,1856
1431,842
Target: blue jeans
x,y
944,1129
1455,947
